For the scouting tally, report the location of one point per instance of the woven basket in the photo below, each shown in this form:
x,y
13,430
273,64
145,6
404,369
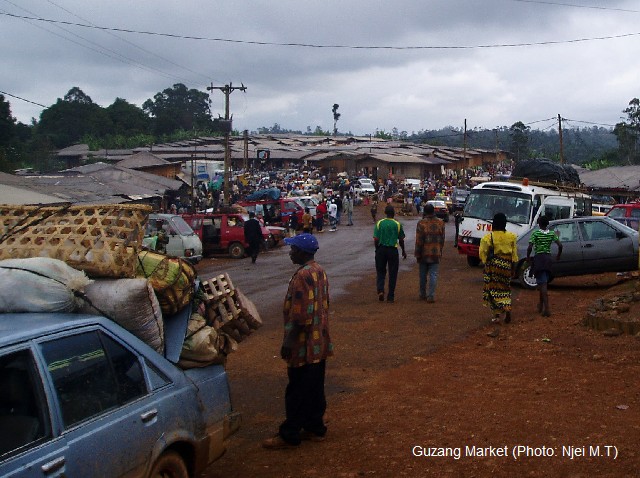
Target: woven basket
x,y
101,240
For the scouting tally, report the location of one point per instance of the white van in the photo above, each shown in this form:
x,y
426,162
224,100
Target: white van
x,y
183,242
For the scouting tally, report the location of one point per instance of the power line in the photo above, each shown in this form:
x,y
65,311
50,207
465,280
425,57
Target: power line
x,y
589,122
574,5
312,45
23,99
114,55
131,43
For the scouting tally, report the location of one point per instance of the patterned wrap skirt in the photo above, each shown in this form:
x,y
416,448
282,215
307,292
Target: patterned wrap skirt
x,y
496,292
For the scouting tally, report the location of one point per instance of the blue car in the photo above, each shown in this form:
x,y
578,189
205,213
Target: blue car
x,y
82,397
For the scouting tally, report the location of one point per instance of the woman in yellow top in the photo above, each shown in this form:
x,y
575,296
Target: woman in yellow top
x,y
499,267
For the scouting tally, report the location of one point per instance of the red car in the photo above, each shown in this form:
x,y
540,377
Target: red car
x,y
224,232
627,214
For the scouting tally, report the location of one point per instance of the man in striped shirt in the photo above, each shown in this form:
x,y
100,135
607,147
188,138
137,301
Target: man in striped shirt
x,y
540,241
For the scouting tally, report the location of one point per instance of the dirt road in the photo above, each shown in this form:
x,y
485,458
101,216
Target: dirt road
x,y
413,379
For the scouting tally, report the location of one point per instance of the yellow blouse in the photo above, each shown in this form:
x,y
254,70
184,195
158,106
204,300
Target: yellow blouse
x,y
504,244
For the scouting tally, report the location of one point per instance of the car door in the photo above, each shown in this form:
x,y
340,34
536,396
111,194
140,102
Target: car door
x,y
571,258
605,248
110,422
29,446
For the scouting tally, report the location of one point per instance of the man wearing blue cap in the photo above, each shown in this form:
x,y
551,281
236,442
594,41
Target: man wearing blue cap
x,y
305,347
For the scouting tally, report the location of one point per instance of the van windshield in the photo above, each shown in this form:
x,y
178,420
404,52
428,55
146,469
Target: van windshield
x,y
485,203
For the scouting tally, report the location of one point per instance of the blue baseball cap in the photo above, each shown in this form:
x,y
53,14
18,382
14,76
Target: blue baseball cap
x,y
305,242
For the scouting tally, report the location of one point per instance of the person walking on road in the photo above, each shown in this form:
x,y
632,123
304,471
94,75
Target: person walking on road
x,y
540,242
321,210
429,245
305,347
347,208
499,254
333,216
253,236
307,221
374,208
387,234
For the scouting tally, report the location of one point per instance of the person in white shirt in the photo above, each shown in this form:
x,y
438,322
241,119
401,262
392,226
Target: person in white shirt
x,y
333,216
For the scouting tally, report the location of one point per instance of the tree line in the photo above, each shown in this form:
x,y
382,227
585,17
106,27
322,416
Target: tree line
x,y
179,113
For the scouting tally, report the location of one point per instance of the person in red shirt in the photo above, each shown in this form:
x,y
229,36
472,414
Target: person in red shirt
x,y
321,211
305,347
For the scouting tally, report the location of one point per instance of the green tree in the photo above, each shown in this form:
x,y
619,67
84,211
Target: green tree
x,y
336,117
73,117
127,119
519,134
628,133
179,108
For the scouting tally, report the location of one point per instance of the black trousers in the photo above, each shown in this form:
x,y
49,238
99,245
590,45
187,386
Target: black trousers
x,y
304,402
253,249
387,257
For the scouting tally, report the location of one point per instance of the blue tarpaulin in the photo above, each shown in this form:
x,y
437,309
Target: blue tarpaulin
x,y
271,193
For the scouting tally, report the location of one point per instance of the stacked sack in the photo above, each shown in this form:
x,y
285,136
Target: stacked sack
x,y
89,259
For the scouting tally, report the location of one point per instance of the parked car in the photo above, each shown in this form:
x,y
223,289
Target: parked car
x,y
627,214
590,245
183,241
441,209
600,209
279,210
224,232
81,396
307,201
364,187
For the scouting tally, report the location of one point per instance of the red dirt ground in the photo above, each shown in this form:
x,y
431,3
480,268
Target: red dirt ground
x,y
412,377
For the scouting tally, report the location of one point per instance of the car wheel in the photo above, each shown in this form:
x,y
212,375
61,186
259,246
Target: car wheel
x,y
473,261
169,465
236,250
527,281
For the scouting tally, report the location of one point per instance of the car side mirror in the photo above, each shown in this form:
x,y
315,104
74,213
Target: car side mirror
x,y
620,235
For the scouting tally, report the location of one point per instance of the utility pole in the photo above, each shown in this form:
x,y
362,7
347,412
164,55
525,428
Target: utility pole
x,y
560,134
227,90
464,145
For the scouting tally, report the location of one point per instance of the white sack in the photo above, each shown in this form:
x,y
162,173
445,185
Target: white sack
x,y
39,284
131,303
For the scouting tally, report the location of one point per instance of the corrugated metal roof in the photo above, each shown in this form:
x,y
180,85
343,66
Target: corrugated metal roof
x,y
621,177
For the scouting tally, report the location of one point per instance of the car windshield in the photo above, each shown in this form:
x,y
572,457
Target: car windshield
x,y
485,203
181,226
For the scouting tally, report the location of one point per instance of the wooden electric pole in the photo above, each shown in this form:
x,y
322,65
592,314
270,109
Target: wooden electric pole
x,y
560,134
227,90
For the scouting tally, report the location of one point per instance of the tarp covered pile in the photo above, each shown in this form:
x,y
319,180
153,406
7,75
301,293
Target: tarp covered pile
x,y
546,171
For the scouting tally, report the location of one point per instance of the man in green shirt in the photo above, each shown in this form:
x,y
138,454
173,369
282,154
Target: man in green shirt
x,y
387,234
540,242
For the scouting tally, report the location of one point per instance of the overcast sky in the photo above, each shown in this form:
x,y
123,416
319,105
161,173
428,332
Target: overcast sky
x,y
435,62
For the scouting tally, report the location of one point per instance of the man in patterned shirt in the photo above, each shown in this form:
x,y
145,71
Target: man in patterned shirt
x,y
305,347
429,245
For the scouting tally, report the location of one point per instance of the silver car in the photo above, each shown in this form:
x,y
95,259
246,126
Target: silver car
x,y
590,245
